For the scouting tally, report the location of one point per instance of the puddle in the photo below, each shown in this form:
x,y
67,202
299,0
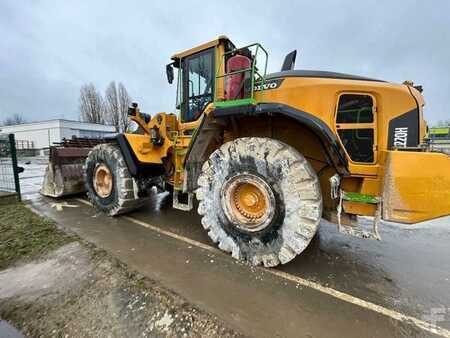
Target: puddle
x,y
62,269
9,331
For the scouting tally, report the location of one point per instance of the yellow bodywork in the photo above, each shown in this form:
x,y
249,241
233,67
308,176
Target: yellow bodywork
x,y
319,97
414,185
144,150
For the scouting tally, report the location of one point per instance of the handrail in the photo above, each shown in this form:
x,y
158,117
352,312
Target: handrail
x,y
253,69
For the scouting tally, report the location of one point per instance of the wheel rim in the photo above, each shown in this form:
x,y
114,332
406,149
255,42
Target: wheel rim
x,y
103,181
248,202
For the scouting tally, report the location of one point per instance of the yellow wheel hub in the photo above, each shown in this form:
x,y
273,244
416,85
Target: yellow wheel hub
x,y
103,181
248,202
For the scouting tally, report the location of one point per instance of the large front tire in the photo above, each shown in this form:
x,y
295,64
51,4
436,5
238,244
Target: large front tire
x,y
109,185
260,200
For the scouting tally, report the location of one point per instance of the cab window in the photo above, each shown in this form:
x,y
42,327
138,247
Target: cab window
x,y
356,127
358,143
198,83
355,109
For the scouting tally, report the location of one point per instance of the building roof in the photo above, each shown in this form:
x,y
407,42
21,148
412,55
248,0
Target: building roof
x,y
51,120
60,123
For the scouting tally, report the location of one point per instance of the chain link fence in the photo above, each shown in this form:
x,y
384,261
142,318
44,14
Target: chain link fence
x,y
9,170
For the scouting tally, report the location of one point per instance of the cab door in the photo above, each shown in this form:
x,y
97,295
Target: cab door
x,y
356,125
198,84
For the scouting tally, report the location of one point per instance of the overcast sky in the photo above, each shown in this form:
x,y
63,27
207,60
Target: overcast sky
x,y
48,49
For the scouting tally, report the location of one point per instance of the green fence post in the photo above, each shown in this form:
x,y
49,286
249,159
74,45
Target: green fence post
x,y
12,147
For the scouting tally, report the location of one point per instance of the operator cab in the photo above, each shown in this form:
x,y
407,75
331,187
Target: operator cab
x,y
215,72
196,77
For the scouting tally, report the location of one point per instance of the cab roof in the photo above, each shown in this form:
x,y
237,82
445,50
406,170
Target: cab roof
x,y
199,48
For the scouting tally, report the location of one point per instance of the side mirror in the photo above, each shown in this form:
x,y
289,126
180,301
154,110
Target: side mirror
x,y
169,73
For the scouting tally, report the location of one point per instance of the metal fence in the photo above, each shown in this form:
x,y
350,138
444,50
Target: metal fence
x,y
9,170
24,145
440,145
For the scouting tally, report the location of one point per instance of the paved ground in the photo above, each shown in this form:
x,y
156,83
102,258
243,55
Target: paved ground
x,y
319,294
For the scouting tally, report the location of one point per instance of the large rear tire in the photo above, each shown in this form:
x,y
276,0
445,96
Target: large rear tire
x,y
260,200
109,185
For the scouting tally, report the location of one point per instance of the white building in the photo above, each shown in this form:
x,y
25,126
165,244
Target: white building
x,y
44,133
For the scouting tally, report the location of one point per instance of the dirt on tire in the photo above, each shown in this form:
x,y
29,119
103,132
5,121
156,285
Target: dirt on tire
x,y
296,191
124,195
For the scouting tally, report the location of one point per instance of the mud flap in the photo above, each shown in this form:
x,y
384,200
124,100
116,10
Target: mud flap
x,y
416,186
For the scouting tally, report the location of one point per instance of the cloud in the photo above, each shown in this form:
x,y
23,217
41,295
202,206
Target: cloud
x,y
49,49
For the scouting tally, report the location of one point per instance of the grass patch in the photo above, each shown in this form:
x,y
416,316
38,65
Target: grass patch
x,y
24,234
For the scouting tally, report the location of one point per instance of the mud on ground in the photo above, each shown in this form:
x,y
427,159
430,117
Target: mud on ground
x,y
79,290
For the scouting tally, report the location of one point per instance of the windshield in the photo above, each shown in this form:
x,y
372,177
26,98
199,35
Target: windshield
x,y
199,85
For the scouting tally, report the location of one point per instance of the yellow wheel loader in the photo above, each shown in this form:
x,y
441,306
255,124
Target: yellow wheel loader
x,y
266,156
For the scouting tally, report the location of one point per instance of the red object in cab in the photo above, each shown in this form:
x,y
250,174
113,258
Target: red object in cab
x,y
234,84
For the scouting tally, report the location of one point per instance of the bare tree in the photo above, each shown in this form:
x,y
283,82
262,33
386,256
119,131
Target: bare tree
x,y
124,104
14,119
112,113
117,102
91,104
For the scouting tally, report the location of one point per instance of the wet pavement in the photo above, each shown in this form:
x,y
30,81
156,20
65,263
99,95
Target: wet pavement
x,y
408,269
404,272
408,272
9,331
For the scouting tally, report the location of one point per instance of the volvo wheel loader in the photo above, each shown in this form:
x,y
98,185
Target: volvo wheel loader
x,y
266,156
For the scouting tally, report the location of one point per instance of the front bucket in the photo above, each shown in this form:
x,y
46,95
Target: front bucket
x,y
64,173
